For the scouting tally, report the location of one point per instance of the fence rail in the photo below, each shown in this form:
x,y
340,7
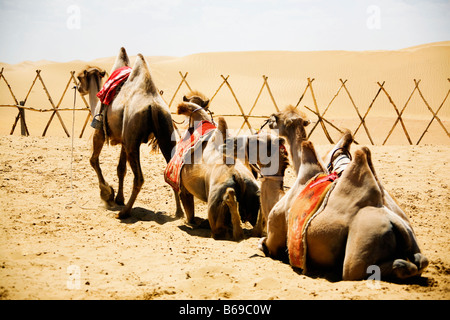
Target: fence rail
x,y
324,123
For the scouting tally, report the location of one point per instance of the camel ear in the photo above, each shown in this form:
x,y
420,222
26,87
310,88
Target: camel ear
x,y
287,122
205,104
102,73
185,99
306,123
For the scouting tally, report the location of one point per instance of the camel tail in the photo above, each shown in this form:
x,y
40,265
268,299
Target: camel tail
x,y
162,129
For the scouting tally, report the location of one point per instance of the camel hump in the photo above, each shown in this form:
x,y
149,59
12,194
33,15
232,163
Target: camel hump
x,y
310,162
358,183
141,73
122,60
309,155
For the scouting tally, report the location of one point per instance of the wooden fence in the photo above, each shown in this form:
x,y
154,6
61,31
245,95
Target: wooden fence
x,y
321,121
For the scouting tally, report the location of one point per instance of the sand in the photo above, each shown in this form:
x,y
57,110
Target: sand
x,y
152,255
57,241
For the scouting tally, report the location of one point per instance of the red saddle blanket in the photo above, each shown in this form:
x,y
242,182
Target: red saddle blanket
x,y
201,132
301,212
108,92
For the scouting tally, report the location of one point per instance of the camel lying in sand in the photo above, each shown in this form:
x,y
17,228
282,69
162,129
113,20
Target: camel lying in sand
x,y
136,115
359,227
231,191
290,124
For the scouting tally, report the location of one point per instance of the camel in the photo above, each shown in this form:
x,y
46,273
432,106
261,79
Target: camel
x,y
359,227
291,124
137,115
268,151
90,82
230,190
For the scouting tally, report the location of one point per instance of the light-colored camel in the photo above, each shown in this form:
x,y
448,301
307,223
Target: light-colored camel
x,y
290,124
230,190
137,115
90,83
268,151
360,226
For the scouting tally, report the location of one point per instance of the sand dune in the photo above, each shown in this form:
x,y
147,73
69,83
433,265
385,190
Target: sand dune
x,y
287,77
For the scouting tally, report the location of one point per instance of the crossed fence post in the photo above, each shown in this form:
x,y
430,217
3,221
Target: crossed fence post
x,y
21,106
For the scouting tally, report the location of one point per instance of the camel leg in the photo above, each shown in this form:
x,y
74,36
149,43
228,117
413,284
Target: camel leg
x,y
106,191
121,172
134,161
372,241
179,213
230,199
187,200
217,210
258,229
274,245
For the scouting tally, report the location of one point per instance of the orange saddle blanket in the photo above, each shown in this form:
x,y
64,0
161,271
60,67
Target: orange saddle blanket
x,y
301,212
201,132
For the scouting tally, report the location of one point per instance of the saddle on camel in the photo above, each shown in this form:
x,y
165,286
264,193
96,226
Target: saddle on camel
x,y
108,92
198,170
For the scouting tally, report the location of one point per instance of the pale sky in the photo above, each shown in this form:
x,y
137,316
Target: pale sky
x,y
65,30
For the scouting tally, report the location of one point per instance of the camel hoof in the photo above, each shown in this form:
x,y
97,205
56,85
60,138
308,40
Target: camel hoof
x,y
403,269
179,214
123,215
421,262
238,235
107,195
262,246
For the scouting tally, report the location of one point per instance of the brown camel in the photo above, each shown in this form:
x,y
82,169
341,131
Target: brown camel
x,y
268,151
137,115
90,82
230,190
359,226
290,124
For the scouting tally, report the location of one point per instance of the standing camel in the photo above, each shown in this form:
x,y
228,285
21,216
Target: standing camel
x,y
136,115
230,190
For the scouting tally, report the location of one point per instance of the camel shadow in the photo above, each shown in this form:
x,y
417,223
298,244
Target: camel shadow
x,y
334,277
142,214
201,228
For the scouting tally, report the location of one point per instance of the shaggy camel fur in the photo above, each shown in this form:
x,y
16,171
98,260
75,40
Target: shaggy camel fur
x,y
137,115
359,227
230,190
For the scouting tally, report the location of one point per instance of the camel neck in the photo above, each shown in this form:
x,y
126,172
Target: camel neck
x,y
94,88
295,150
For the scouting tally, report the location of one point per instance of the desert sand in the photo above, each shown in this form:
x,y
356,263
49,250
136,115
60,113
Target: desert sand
x,y
152,255
54,230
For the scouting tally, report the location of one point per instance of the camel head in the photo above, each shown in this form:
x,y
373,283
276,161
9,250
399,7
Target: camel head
x,y
266,150
197,98
289,121
194,106
90,76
